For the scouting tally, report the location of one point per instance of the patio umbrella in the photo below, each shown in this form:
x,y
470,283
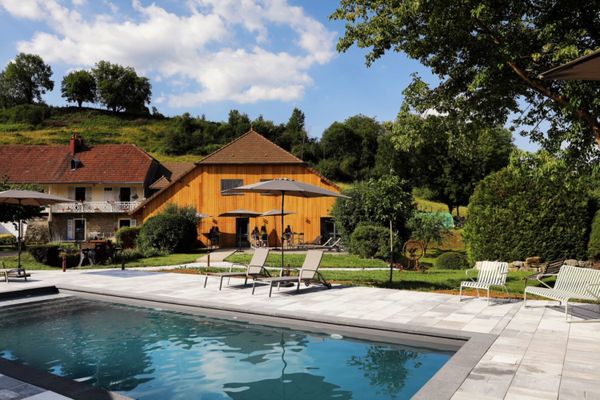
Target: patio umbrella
x,y
29,198
241,213
586,68
283,187
274,213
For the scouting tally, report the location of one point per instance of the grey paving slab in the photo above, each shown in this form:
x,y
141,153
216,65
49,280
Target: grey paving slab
x,y
535,355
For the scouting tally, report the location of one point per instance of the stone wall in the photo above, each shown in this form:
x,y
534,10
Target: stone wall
x,y
101,226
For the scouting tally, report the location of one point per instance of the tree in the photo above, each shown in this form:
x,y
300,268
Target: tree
x,y
349,148
25,80
294,135
79,87
428,228
447,156
489,56
120,88
376,201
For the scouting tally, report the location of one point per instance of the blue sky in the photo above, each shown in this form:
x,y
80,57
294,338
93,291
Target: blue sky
x,y
262,57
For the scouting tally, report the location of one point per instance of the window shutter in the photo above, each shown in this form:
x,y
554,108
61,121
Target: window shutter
x,y
133,222
72,192
88,194
70,229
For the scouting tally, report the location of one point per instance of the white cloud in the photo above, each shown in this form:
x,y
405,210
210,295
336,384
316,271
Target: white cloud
x,y
220,47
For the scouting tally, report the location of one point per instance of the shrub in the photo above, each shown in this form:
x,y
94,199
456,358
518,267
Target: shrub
x,y
451,260
129,254
538,206
6,239
127,236
593,248
371,241
173,230
48,254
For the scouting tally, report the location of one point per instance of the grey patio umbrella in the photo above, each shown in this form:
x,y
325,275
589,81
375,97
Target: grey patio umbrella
x,y
586,68
241,213
29,198
283,187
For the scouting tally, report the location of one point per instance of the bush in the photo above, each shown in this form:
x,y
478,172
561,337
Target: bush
x,y
371,241
127,236
48,254
593,249
451,260
538,206
6,239
173,230
129,254
428,228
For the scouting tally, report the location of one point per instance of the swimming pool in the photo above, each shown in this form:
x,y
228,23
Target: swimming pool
x,y
147,353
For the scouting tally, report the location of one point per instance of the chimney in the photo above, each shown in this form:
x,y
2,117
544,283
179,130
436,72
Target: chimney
x,y
75,143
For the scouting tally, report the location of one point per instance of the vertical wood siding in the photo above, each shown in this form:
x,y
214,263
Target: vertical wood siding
x,y
201,189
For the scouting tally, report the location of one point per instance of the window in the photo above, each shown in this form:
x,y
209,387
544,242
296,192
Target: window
x,y
80,194
230,184
125,194
127,223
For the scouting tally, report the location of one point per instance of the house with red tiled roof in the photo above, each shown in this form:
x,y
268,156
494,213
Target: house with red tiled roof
x,y
248,159
107,181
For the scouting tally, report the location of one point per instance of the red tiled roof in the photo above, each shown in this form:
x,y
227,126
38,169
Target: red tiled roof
x,y
251,148
107,163
171,171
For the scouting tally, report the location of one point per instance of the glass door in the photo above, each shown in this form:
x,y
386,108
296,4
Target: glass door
x,y
242,230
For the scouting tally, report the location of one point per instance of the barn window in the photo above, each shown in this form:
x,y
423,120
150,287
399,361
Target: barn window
x,y
230,184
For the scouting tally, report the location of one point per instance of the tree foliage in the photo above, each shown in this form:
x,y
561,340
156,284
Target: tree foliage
x,y
428,228
349,148
13,212
537,206
376,201
120,88
79,87
489,56
444,155
25,80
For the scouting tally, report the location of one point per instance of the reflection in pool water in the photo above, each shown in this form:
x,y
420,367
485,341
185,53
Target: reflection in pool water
x,y
152,354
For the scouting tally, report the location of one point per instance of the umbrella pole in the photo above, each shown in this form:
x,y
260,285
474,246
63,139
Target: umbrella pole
x,y
19,238
282,216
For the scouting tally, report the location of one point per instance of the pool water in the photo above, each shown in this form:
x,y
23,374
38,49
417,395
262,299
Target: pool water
x,y
146,353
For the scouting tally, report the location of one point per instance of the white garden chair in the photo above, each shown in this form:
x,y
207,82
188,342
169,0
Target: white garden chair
x,y
489,273
571,283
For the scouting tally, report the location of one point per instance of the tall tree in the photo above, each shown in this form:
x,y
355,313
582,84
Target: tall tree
x,y
447,156
79,86
25,80
120,88
489,56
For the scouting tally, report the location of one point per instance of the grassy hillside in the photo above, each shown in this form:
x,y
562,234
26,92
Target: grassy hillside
x,y
97,127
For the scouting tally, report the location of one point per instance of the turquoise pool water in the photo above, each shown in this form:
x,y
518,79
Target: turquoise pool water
x,y
152,354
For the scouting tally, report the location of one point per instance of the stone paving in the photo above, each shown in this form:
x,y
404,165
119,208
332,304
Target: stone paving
x,y
536,355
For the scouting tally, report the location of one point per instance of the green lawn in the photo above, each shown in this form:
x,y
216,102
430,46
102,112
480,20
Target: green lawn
x,y
329,260
172,259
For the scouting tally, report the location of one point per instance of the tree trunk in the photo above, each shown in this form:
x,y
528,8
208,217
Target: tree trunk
x,y
79,103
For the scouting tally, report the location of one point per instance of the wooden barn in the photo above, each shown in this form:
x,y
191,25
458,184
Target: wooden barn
x,y
249,159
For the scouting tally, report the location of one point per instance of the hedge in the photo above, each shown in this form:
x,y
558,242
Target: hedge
x,y
534,207
6,239
594,242
127,236
371,241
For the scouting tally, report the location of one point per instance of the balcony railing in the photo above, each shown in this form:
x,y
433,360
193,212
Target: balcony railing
x,y
95,207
